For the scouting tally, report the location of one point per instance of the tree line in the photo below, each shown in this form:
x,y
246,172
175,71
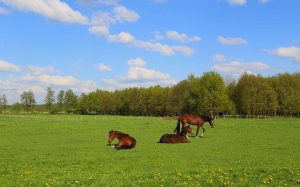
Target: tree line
x,y
249,95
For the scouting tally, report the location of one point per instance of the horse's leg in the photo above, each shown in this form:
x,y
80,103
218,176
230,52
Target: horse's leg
x,y
197,131
203,130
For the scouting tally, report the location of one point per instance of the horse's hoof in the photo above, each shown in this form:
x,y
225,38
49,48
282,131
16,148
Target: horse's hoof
x,y
197,137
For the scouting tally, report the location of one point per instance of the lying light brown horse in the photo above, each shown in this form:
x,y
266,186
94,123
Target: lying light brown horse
x,y
125,141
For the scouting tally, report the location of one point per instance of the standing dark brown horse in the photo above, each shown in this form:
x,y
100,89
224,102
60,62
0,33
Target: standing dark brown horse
x,y
125,141
197,120
176,138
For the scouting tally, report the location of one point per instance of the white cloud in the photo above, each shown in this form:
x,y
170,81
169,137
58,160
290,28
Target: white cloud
x,y
101,21
264,1
8,67
3,11
38,70
173,35
292,53
139,76
237,2
122,37
38,79
142,73
104,68
99,30
91,3
164,49
183,49
85,86
53,9
231,41
122,14
136,62
236,68
158,36
219,58
154,46
55,80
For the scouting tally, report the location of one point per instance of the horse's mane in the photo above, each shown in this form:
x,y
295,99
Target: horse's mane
x,y
119,132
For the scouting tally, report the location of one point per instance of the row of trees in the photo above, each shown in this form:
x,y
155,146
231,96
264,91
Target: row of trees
x,y
250,95
3,103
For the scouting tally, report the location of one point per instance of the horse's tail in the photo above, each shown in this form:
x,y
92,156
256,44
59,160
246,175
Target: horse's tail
x,y
177,129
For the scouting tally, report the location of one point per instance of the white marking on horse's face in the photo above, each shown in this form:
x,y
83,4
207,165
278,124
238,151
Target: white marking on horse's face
x,y
187,136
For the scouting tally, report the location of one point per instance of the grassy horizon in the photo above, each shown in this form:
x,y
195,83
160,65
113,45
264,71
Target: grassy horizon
x,y
63,150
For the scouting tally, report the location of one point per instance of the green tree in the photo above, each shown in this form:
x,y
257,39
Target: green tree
x,y
16,107
28,100
209,94
49,100
70,101
255,96
60,100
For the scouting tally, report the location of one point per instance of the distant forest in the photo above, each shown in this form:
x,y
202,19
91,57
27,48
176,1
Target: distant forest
x,y
277,95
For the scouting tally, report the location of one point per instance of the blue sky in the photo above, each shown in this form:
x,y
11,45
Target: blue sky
x,y
113,44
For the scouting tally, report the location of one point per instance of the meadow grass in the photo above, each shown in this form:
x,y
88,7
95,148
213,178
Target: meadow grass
x,y
72,150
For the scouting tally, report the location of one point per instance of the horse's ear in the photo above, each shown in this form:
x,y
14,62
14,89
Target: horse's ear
x,y
110,131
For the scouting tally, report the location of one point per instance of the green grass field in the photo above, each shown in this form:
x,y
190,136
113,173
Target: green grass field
x,y
70,151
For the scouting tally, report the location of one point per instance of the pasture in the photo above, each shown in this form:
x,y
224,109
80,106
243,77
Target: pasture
x,y
72,151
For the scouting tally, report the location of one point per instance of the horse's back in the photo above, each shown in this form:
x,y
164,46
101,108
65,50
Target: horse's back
x,y
173,138
127,142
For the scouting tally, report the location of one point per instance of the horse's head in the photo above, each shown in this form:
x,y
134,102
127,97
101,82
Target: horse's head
x,y
111,136
210,119
185,130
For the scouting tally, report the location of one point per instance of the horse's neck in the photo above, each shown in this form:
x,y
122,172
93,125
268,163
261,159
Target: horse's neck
x,y
205,118
183,133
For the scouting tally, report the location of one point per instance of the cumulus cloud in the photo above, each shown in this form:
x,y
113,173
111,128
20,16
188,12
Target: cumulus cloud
x,y
101,21
236,68
3,11
139,76
231,41
8,67
53,9
122,37
38,70
97,2
38,78
136,62
164,49
174,35
99,30
237,2
122,14
55,80
219,58
104,68
292,53
158,36
142,73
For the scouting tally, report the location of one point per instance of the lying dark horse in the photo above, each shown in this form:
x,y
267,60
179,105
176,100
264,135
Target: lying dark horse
x,y
176,138
194,120
125,141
